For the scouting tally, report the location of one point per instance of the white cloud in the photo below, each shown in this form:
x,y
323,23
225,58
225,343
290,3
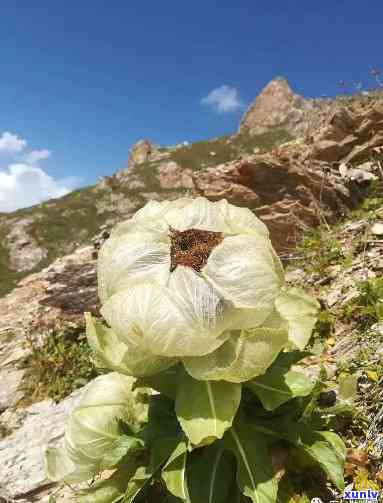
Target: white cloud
x,y
11,143
223,99
23,185
23,182
35,156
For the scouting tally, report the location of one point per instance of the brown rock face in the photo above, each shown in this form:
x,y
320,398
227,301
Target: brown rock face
x,y
24,251
349,137
277,107
287,194
227,181
171,176
331,151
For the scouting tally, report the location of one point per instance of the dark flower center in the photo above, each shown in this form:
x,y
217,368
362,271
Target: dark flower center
x,y
192,247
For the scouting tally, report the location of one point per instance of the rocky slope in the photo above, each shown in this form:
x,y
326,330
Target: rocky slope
x,y
294,179
342,265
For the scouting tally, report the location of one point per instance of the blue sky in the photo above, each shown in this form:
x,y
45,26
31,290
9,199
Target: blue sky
x,y
85,80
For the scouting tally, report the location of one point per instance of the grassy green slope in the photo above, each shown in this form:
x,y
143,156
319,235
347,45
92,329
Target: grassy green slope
x,y
59,225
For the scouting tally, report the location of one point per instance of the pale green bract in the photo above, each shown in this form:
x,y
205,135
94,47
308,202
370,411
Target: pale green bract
x,y
93,430
227,320
300,310
111,353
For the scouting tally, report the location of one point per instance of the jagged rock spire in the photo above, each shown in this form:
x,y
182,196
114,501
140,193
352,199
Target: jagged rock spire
x,y
277,106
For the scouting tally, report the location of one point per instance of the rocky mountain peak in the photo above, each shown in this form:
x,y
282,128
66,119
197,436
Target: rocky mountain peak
x,y
141,151
277,106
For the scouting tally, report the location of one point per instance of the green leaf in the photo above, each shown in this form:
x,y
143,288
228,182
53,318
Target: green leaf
x,y
121,447
206,409
169,498
287,359
336,442
141,477
326,449
323,447
165,382
162,449
110,490
162,420
235,495
210,475
280,384
255,474
274,429
174,472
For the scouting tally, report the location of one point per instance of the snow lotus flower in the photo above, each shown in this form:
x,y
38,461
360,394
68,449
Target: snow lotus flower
x,y
200,282
196,307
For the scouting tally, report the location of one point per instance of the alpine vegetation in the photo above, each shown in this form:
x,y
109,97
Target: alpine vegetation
x,y
197,309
